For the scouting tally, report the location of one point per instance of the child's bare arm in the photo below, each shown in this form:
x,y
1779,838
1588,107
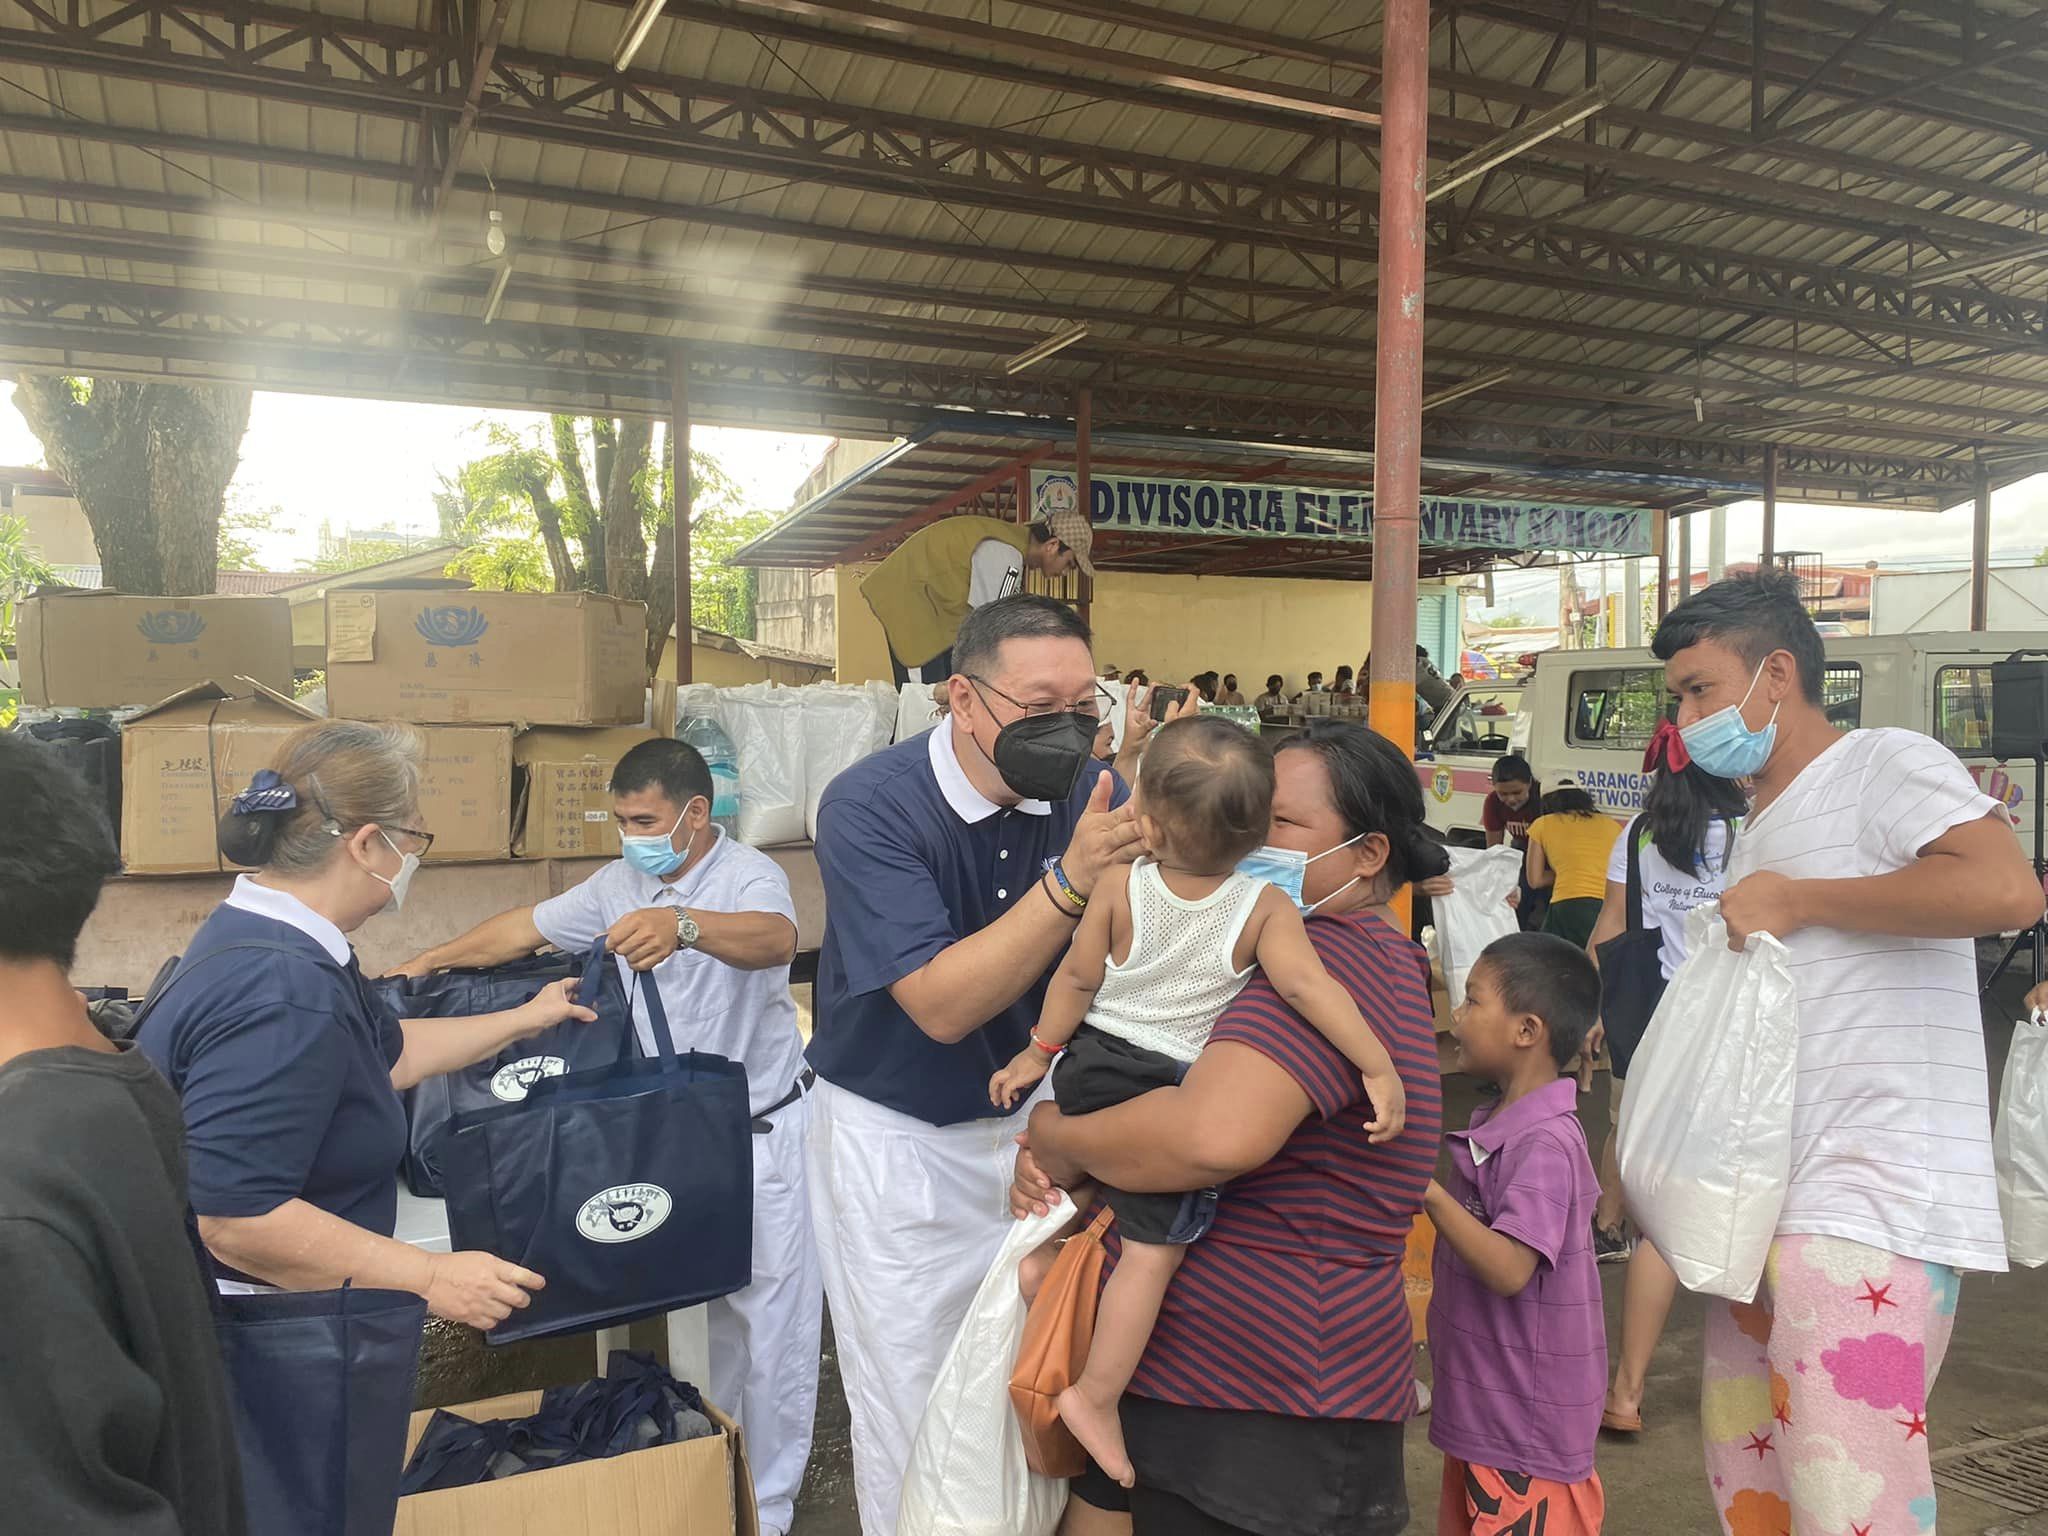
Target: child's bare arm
x,y
1079,977
1296,972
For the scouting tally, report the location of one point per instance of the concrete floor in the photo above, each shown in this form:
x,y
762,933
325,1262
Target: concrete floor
x,y
1995,1382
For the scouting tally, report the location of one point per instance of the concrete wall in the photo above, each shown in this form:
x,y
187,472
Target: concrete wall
x,y
57,529
735,669
1174,626
795,610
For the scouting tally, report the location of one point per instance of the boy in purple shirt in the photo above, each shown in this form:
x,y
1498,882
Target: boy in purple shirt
x,y
1515,1325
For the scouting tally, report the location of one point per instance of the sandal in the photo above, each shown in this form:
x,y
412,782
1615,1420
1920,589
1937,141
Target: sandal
x,y
1621,1424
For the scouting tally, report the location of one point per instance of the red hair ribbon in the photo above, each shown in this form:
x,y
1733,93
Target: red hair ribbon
x,y
1666,750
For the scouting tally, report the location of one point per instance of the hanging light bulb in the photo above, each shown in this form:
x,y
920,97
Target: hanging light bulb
x,y
494,236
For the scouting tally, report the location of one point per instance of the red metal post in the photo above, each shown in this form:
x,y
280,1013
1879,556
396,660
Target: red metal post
x,y
1769,552
1084,425
1397,389
1980,553
679,435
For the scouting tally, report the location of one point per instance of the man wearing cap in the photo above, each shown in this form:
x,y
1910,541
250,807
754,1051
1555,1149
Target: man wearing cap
x,y
941,573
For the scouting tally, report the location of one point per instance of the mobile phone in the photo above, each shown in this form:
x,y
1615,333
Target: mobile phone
x,y
1165,700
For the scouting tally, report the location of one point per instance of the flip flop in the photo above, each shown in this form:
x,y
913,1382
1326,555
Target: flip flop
x,y
1621,1424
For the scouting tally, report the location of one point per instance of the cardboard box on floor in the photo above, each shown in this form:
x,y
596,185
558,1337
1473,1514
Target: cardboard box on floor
x,y
699,1488
564,801
107,650
466,792
183,760
501,658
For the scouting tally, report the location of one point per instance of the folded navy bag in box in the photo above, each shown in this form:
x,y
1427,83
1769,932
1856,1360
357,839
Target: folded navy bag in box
x,y
506,1077
629,1187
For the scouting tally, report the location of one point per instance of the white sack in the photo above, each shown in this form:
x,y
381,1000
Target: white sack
x,y
2019,1144
841,725
1476,912
1705,1141
916,711
967,1475
766,727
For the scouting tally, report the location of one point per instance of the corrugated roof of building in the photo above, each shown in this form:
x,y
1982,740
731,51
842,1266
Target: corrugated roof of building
x,y
850,212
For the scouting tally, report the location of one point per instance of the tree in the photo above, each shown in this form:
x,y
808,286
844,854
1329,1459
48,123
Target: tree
x,y
586,504
354,554
240,527
21,571
149,464
2041,558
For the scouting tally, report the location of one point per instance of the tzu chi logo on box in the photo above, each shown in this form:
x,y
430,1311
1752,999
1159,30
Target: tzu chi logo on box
x,y
452,628
623,1213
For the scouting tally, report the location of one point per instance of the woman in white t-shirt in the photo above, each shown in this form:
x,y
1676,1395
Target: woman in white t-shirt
x,y
1682,842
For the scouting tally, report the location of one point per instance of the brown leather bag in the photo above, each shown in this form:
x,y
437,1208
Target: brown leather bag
x,y
1057,1332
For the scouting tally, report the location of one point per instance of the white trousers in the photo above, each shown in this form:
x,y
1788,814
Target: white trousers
x,y
764,1339
909,1217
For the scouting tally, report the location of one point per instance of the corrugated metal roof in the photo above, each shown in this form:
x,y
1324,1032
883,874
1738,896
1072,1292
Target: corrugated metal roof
x,y
851,211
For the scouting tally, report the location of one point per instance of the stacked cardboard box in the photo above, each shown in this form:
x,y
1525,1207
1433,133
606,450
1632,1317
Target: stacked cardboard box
x,y
107,650
563,805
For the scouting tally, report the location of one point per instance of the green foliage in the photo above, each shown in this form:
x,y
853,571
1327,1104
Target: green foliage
x,y
723,595
355,554
2041,558
240,528
22,570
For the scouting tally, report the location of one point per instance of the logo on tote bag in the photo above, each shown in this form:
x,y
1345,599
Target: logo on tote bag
x,y
513,1083
623,1213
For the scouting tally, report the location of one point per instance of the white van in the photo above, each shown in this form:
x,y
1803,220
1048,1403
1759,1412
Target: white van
x,y
1586,716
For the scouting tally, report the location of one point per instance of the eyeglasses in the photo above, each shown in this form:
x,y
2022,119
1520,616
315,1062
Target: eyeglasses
x,y
424,839
1095,706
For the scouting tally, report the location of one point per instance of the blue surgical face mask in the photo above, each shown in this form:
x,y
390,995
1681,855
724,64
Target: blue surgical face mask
x,y
1723,744
655,854
1285,868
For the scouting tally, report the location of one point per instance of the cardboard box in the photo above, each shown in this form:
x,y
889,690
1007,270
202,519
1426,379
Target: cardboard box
x,y
466,792
699,1488
564,791
106,650
183,760
502,658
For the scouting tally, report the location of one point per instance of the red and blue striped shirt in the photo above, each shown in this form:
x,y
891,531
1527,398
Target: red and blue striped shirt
x,y
1294,1302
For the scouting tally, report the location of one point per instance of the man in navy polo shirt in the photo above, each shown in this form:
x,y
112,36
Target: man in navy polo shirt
x,y
955,866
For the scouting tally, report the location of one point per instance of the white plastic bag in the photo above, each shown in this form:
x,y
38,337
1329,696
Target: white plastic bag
x,y
2019,1144
1476,912
1705,1141
967,1475
766,727
916,710
841,725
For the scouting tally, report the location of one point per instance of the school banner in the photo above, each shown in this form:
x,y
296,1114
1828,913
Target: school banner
x,y
1220,509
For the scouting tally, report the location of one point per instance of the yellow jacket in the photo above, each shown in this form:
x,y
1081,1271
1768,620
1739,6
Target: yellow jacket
x,y
920,591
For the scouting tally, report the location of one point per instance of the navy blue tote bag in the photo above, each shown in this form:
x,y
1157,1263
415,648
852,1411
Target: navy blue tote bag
x,y
506,1077
629,1187
321,1387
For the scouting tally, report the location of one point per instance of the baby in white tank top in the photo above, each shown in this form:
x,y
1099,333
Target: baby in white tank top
x,y
1161,951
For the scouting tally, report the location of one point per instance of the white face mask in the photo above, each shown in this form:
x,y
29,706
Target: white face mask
x,y
408,866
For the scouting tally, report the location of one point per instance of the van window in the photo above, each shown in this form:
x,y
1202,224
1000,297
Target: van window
x,y
1841,694
1962,709
1479,722
1618,707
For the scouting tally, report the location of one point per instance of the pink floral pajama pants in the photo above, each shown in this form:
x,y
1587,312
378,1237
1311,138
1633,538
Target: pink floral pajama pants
x,y
1814,1405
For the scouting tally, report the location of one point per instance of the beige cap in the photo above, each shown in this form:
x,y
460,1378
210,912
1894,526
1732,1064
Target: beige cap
x,y
1072,529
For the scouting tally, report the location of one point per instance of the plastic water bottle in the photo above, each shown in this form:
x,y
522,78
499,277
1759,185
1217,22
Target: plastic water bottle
x,y
716,748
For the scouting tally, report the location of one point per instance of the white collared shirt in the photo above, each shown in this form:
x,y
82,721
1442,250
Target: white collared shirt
x,y
283,907
968,803
745,1016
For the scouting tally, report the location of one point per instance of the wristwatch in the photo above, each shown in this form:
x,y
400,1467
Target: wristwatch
x,y
686,930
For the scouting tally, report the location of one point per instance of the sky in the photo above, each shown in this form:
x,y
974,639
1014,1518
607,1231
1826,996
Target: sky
x,y
376,463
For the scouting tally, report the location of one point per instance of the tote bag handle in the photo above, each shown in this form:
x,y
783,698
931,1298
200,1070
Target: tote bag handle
x,y
592,986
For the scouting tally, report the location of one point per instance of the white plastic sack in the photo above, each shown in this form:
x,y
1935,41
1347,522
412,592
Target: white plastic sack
x,y
766,727
967,1475
841,725
916,710
2019,1144
1705,1141
1476,912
